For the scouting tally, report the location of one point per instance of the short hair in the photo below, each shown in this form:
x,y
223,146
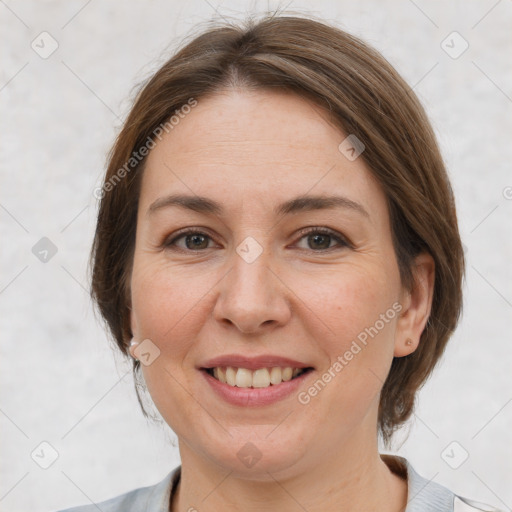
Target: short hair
x,y
363,95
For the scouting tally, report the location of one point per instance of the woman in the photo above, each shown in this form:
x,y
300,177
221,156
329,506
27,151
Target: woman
x,y
277,249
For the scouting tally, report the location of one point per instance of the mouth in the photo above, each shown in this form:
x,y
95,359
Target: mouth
x,y
265,377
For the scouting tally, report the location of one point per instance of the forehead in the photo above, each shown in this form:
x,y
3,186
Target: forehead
x,y
241,145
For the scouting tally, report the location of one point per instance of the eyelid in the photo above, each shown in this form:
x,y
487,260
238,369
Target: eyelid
x,y
169,241
341,239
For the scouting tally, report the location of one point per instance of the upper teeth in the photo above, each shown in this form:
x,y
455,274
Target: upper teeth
x,y
261,378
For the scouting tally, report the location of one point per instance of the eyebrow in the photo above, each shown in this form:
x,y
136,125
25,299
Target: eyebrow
x,y
298,204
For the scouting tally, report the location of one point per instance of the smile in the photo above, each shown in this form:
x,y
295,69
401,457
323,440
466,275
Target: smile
x,y
253,388
259,378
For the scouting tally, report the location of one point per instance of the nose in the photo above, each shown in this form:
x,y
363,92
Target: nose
x,y
252,297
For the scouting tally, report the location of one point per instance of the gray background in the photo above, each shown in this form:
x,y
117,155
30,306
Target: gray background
x,y
62,383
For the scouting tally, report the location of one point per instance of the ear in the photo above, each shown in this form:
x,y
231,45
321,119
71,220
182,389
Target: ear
x,y
133,327
417,304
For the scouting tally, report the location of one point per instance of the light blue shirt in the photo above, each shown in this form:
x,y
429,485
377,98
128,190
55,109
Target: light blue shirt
x,y
422,496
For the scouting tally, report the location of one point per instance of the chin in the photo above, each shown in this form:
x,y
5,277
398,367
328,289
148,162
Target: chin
x,y
255,454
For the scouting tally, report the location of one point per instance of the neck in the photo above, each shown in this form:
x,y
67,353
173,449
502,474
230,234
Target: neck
x,y
352,479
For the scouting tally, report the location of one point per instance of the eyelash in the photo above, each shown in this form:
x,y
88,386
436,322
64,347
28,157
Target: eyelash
x,y
343,242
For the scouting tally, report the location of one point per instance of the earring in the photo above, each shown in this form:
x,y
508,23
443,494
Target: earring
x,y
133,343
408,342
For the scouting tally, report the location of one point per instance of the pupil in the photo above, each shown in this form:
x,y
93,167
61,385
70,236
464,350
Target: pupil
x,y
324,237
196,241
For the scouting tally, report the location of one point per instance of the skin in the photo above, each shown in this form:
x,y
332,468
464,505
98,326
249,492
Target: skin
x,y
250,151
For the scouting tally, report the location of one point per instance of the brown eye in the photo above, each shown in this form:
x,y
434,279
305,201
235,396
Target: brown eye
x,y
194,241
320,240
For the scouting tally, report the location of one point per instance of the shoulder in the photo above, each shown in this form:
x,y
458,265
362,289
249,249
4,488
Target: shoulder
x,y
154,498
428,496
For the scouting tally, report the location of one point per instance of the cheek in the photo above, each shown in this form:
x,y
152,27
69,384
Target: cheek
x,y
353,301
166,305
361,311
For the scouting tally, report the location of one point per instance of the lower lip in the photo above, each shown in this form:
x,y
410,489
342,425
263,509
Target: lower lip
x,y
254,397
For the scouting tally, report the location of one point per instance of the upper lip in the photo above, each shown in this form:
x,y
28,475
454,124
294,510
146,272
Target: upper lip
x,y
252,363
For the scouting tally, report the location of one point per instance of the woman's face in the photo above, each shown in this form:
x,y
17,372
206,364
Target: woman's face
x,y
267,282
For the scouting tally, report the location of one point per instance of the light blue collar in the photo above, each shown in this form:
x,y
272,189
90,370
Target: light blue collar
x,y
422,496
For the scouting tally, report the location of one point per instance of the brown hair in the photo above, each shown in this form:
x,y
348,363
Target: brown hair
x,y
364,96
